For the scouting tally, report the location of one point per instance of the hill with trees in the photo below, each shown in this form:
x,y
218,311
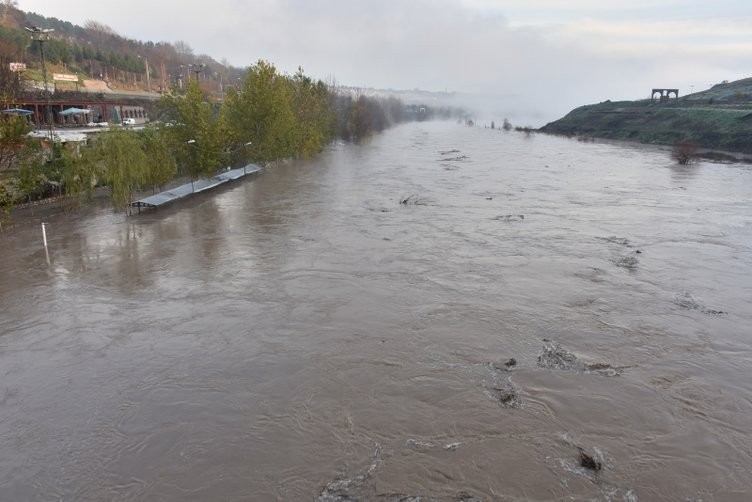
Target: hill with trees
x,y
96,51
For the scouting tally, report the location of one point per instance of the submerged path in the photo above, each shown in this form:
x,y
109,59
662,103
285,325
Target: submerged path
x,y
156,200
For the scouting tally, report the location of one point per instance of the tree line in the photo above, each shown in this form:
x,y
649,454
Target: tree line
x,y
269,116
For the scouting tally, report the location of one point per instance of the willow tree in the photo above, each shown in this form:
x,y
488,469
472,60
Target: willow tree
x,y
261,113
117,156
78,177
162,165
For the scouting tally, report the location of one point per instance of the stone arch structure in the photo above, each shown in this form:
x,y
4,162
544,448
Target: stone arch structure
x,y
664,94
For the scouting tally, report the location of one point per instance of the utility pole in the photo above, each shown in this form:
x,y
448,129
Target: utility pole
x,y
41,36
148,78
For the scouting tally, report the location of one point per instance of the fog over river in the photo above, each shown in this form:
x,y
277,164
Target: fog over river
x,y
442,313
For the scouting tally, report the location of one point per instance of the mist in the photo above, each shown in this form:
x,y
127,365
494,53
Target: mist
x,y
536,61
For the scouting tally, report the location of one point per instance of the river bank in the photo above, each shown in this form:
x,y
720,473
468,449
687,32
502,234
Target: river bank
x,y
718,119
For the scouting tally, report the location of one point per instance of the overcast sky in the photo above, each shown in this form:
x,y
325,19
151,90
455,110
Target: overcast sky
x,y
530,58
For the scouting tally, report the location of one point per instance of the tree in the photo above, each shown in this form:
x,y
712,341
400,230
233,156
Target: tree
x,y
182,48
197,135
6,6
117,158
162,166
6,205
261,112
77,175
314,117
13,141
684,152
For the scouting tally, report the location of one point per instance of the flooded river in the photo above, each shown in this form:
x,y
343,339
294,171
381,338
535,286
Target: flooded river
x,y
444,313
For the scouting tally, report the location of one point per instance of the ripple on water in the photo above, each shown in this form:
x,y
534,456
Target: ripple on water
x,y
303,334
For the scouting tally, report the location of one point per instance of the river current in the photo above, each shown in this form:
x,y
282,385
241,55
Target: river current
x,y
442,313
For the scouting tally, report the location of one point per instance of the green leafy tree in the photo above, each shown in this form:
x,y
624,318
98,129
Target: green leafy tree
x,y
314,125
162,165
261,112
196,134
34,178
13,141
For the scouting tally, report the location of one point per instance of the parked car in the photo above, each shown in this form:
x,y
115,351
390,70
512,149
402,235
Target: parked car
x,y
129,121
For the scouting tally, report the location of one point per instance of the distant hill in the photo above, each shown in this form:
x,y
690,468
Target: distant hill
x,y
719,118
96,52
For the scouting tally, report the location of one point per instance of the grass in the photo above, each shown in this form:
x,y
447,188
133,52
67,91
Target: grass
x,y
709,126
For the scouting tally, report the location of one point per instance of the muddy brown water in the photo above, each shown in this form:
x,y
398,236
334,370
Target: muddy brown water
x,y
304,335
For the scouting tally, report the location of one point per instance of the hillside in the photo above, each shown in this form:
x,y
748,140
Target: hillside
x,y
96,52
719,118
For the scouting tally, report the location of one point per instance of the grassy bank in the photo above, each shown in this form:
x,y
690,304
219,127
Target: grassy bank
x,y
717,119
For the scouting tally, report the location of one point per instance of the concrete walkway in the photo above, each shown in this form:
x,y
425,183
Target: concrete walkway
x,y
201,185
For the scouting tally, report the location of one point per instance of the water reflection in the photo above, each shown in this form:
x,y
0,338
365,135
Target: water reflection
x,y
684,174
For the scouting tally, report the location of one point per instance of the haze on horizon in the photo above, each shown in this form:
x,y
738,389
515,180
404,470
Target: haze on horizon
x,y
536,59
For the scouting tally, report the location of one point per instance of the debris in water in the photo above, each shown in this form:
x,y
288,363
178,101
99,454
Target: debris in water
x,y
452,446
506,365
501,389
588,462
687,301
419,444
509,217
346,490
466,497
506,396
554,356
617,240
628,262
415,200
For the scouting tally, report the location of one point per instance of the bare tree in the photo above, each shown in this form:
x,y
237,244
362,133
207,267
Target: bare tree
x,y
97,27
7,5
684,152
182,48
100,32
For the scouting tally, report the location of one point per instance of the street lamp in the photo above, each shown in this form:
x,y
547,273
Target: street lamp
x,y
221,87
197,68
42,35
237,148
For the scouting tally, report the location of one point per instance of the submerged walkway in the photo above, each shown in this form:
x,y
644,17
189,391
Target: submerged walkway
x,y
162,198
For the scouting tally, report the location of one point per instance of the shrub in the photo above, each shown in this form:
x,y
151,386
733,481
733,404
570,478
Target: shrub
x,y
684,152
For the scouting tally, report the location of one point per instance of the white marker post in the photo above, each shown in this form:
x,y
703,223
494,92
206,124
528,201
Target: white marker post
x,y
44,239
